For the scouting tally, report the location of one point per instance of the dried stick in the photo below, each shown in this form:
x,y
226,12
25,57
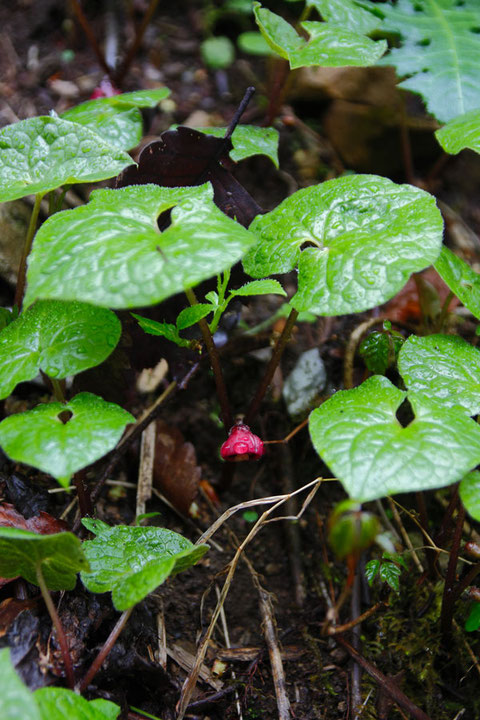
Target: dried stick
x,y
385,683
270,634
356,621
291,529
145,470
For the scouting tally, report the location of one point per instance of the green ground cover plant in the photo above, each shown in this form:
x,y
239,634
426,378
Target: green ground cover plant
x,y
352,242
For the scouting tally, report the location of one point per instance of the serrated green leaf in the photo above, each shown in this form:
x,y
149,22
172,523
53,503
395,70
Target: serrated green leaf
x,y
368,236
38,437
117,234
60,557
42,153
348,14
132,561
371,569
470,493
191,315
390,573
57,703
460,133
472,623
259,287
358,436
446,367
218,52
16,701
117,119
461,279
332,46
60,338
440,52
379,350
166,330
249,140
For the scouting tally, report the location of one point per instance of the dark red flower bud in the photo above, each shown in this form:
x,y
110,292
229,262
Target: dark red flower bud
x,y
104,90
242,444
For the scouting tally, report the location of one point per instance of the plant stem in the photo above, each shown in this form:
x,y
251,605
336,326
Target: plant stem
x,y
215,365
106,649
124,67
83,494
444,312
22,270
52,611
57,390
77,8
449,596
272,366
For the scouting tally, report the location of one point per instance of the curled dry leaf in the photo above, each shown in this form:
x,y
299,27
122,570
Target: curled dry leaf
x,y
175,471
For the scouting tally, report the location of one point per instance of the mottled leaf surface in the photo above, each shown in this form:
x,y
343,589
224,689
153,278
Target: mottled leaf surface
x,y
460,133
461,279
356,241
470,493
57,703
445,367
60,338
42,153
439,52
358,435
38,437
117,119
16,701
132,561
60,557
110,252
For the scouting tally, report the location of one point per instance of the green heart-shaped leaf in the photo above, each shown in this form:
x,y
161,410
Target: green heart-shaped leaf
x,y
57,703
60,557
42,153
365,235
134,264
132,561
16,701
117,119
460,133
469,490
38,437
357,434
461,279
60,338
445,367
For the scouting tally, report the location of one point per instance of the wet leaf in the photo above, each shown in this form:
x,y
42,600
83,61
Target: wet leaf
x,y
380,349
132,561
358,436
43,153
348,14
259,287
371,570
176,473
445,367
460,133
186,157
390,573
57,703
249,140
135,264
461,279
191,315
166,330
38,437
60,557
60,338
364,234
16,701
117,119
470,493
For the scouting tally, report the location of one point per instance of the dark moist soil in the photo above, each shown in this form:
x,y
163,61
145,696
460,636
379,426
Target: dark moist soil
x,y
38,74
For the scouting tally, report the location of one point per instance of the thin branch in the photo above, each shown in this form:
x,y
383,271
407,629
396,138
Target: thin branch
x,y
125,66
106,649
90,36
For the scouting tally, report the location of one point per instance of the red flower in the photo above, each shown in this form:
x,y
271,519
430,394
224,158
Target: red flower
x,y
241,444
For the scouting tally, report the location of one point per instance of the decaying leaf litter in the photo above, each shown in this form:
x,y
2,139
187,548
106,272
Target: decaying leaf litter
x,y
283,609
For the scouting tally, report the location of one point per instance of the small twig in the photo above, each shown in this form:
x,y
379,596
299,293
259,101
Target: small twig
x,y
239,112
22,270
125,66
162,638
271,367
90,36
106,649
385,683
448,599
356,621
52,611
270,634
145,471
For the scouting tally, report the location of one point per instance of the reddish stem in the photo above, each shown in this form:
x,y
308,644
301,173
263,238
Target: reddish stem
x,y
449,596
124,67
106,649
91,36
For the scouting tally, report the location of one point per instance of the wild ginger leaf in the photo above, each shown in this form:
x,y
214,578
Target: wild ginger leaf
x,y
460,133
349,14
117,119
445,367
461,279
470,493
42,153
38,437
440,52
249,140
357,434
60,338
135,264
16,701
364,234
132,561
57,703
60,557
380,349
